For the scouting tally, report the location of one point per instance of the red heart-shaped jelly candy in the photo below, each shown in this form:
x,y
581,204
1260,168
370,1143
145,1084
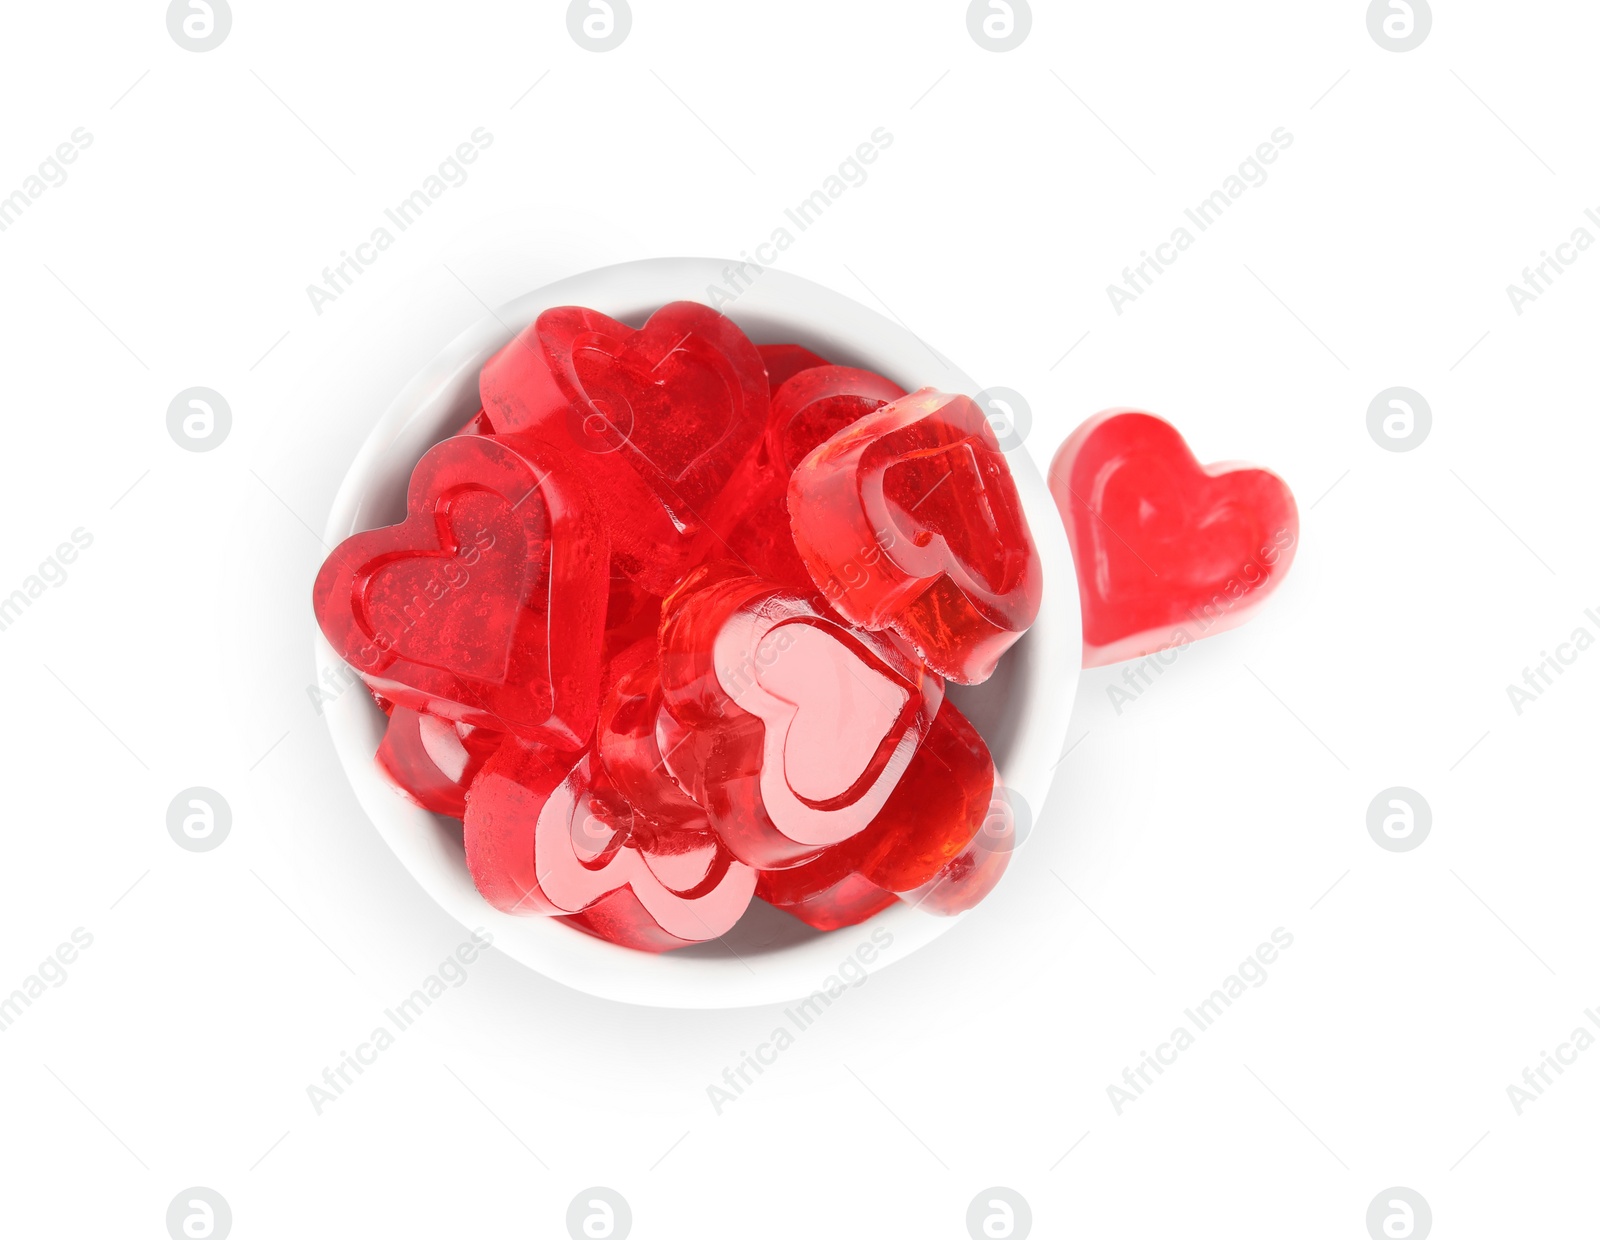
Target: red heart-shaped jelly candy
x,y
546,836
1167,550
818,403
811,407
433,761
629,748
934,830
791,728
661,417
486,605
784,361
909,520
848,902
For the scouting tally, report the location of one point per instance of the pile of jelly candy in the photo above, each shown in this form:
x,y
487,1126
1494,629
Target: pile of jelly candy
x,y
668,624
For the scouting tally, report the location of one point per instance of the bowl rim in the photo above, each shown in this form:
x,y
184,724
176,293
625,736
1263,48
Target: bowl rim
x,y
772,305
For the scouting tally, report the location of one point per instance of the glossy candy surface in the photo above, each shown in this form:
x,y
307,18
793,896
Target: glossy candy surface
x,y
433,761
1167,551
808,409
486,605
937,814
629,747
802,726
848,902
660,418
546,836
909,520
598,636
940,844
818,403
632,615
784,361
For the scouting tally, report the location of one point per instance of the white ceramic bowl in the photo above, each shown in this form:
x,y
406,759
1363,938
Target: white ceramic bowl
x,y
769,957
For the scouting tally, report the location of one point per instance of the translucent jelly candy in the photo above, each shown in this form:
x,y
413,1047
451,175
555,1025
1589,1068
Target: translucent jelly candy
x,y
816,404
599,639
936,811
848,902
811,407
433,761
659,417
760,541
966,880
909,520
1167,551
629,749
936,815
546,836
622,918
632,614
784,361
486,604
800,726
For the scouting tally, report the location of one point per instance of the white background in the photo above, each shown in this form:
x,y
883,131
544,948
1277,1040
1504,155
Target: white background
x,y
1228,800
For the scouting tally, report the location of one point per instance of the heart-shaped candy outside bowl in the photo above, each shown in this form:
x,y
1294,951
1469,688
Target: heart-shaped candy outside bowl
x,y
1022,711
1167,550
